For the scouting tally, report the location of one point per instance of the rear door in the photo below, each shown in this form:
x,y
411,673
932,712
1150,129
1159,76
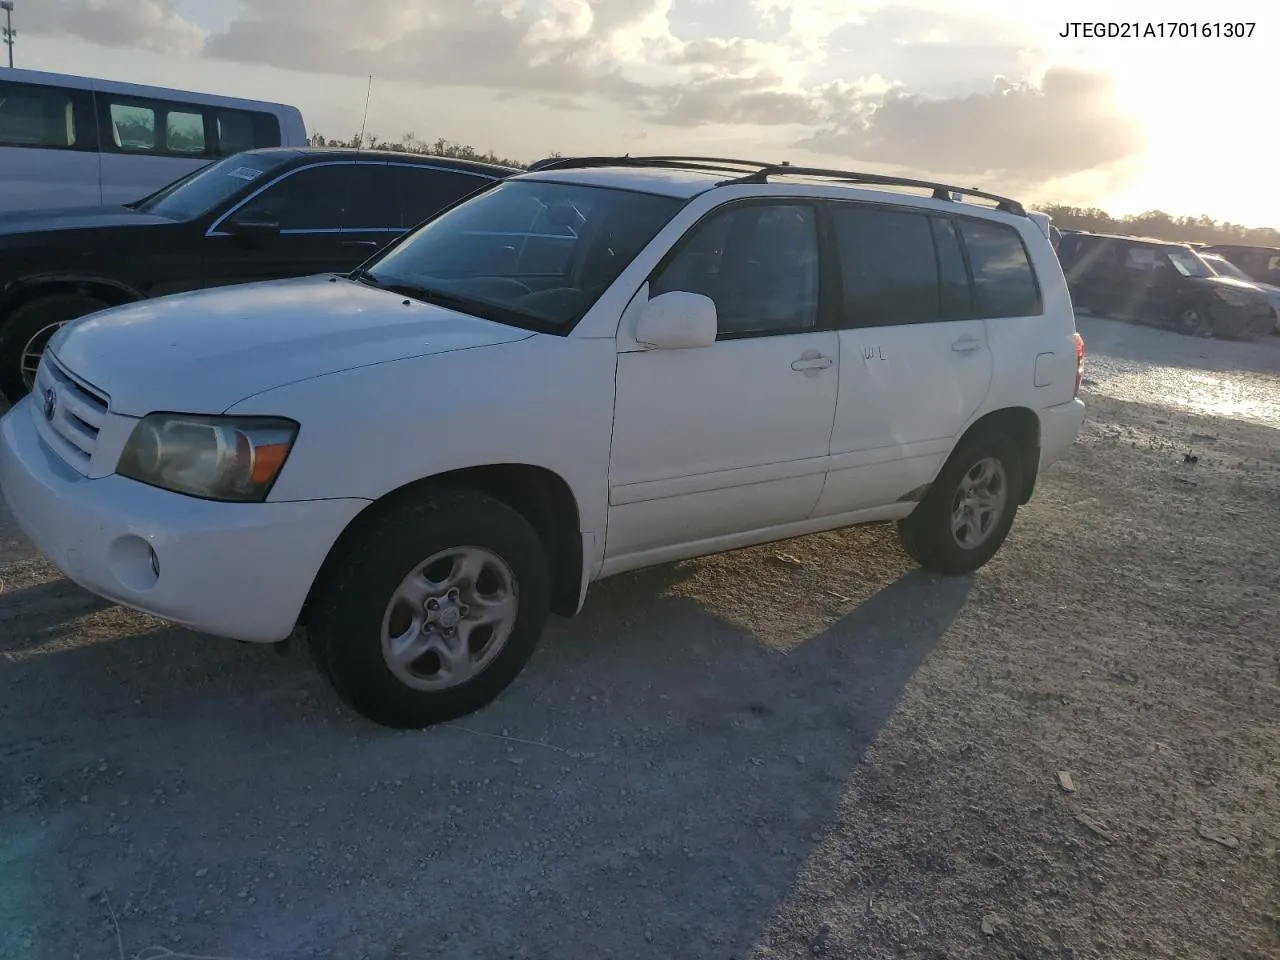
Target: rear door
x,y
305,206
915,363
371,212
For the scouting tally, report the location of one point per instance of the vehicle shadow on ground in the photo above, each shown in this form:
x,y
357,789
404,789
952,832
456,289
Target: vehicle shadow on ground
x,y
650,787
43,613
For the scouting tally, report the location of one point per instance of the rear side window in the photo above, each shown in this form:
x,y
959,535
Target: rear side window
x,y
1004,284
888,266
239,130
369,198
133,127
183,129
184,132
32,116
424,191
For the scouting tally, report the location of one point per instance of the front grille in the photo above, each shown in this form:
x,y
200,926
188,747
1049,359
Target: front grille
x,y
74,410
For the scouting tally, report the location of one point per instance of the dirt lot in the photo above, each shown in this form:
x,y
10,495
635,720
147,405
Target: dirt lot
x,y
807,749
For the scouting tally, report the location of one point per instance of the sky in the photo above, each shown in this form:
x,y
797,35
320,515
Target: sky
x,y
991,97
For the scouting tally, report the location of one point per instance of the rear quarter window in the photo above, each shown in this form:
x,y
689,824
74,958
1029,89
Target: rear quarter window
x,y
1004,283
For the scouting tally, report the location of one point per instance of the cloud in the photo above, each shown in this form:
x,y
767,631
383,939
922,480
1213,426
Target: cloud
x,y
542,46
775,68
1018,132
149,24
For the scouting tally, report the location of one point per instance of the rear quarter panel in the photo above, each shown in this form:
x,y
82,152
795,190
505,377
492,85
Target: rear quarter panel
x,y
1035,357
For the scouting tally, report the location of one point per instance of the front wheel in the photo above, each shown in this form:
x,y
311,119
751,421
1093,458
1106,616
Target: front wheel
x,y
969,509
432,610
28,330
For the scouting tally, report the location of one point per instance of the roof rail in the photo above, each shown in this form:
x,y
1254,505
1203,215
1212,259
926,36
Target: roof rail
x,y
941,191
710,164
758,172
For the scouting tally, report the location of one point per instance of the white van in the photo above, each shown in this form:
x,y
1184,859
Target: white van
x,y
77,141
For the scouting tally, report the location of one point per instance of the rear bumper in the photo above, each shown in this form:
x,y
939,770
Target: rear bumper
x,y
1059,427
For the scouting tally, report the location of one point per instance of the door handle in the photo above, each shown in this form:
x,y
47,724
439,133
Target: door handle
x,y
359,243
966,345
812,363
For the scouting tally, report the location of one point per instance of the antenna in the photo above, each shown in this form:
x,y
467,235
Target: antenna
x,y
364,120
355,170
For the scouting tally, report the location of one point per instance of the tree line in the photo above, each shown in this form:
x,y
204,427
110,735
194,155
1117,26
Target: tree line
x,y
1162,226
1153,223
411,143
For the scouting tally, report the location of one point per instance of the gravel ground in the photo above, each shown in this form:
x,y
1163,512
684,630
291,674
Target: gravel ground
x,y
805,749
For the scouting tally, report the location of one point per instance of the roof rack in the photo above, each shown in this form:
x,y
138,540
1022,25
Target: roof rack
x,y
758,172
710,164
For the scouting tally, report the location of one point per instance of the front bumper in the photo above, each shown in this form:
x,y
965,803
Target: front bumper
x,y
1242,322
231,569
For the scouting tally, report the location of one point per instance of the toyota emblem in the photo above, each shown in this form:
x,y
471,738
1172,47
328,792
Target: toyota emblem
x,y
50,403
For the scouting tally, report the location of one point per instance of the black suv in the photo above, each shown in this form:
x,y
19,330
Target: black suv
x,y
1260,263
257,215
1167,284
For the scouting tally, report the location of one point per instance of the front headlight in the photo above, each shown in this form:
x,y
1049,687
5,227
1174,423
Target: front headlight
x,y
217,458
1232,298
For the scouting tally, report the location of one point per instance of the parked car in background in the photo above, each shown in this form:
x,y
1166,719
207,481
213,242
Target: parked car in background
x,y
1167,284
79,141
602,366
1225,268
1260,264
258,215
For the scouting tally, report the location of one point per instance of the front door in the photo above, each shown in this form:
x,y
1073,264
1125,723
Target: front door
x,y
716,442
915,361
291,228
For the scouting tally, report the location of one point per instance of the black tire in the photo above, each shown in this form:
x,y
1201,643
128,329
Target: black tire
x,y
36,320
1193,320
346,620
927,532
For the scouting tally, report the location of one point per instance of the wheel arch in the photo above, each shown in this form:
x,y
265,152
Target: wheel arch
x,y
1022,426
538,494
112,292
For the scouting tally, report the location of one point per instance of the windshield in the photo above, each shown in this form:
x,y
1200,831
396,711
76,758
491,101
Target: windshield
x,y
526,252
201,191
1225,268
1187,263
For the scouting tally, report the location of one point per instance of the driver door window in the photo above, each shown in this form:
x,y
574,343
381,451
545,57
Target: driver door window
x,y
310,200
308,208
758,263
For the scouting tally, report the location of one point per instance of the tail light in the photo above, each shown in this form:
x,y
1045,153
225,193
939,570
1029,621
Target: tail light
x,y
1079,363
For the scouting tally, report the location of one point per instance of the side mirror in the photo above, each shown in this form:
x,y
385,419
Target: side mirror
x,y
254,226
677,321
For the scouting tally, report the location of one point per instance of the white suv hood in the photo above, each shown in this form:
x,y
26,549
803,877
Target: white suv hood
x,y
203,352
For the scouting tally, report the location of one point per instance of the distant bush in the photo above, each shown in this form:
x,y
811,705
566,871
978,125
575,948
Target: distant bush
x,y
410,143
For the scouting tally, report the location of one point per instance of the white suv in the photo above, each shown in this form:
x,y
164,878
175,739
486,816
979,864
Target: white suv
x,y
600,366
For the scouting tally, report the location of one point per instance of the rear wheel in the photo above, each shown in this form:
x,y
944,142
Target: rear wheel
x,y
432,610
26,333
969,509
1194,321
